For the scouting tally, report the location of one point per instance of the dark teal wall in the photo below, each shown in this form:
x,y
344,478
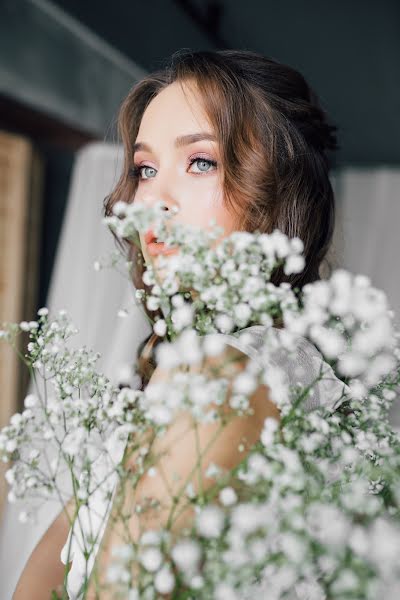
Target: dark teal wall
x,y
349,51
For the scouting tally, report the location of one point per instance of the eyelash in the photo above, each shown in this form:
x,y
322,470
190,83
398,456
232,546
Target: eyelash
x,y
134,171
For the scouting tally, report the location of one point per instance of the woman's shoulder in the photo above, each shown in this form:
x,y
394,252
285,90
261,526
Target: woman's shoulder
x,y
301,365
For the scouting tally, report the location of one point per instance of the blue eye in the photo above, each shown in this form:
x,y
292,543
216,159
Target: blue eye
x,y
145,167
136,171
208,161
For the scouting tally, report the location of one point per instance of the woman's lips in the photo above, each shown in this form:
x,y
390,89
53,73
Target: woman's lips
x,y
156,248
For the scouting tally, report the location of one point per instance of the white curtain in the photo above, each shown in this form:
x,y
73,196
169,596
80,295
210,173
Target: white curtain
x,y
367,236
365,241
92,299
367,232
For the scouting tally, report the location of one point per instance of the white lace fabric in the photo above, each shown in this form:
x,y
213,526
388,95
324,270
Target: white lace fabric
x,y
302,366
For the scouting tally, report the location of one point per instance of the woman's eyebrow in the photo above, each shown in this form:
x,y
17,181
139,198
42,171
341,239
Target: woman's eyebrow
x,y
180,141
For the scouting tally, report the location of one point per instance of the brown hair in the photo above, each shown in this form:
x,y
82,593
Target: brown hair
x,y
273,137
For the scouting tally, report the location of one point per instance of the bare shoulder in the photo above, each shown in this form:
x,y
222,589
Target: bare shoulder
x,y
44,571
229,363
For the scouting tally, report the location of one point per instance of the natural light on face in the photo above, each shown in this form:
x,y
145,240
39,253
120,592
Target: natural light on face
x,y
176,163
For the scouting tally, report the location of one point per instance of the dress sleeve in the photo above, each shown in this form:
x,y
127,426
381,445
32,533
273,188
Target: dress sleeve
x,y
302,366
248,345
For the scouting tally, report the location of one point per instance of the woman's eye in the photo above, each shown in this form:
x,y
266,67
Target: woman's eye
x,y
203,162
203,165
139,171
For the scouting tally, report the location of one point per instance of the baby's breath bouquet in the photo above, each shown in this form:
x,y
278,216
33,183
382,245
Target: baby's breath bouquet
x,y
312,510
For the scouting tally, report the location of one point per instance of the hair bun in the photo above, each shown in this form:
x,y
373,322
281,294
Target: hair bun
x,y
325,132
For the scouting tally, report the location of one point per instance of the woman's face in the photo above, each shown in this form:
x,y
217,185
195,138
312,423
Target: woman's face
x,y
176,163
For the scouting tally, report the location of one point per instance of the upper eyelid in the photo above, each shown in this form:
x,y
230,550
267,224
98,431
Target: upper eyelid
x,y
190,161
207,150
199,154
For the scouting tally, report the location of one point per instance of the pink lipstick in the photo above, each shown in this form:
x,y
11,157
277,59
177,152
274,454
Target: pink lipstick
x,y
155,247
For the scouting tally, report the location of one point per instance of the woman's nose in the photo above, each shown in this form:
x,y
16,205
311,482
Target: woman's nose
x,y
152,199
168,204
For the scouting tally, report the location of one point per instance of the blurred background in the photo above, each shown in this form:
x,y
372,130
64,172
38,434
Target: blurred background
x,y
65,66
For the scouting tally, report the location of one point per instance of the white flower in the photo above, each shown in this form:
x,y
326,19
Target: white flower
x,y
164,581
359,541
294,264
11,445
244,383
210,521
368,302
16,419
151,559
345,581
330,341
224,591
318,292
241,239
213,344
23,517
73,441
188,346
352,364
276,379
197,582
123,373
380,366
242,312
310,590
385,544
328,524
268,431
42,312
10,476
148,277
357,389
120,208
190,491
296,244
377,335
160,327
160,415
293,546
224,323
228,496
167,355
213,470
247,517
30,401
186,554
153,302
117,573
281,242
182,317
150,537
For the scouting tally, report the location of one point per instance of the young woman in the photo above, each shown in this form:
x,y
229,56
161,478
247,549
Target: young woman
x,y
242,138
